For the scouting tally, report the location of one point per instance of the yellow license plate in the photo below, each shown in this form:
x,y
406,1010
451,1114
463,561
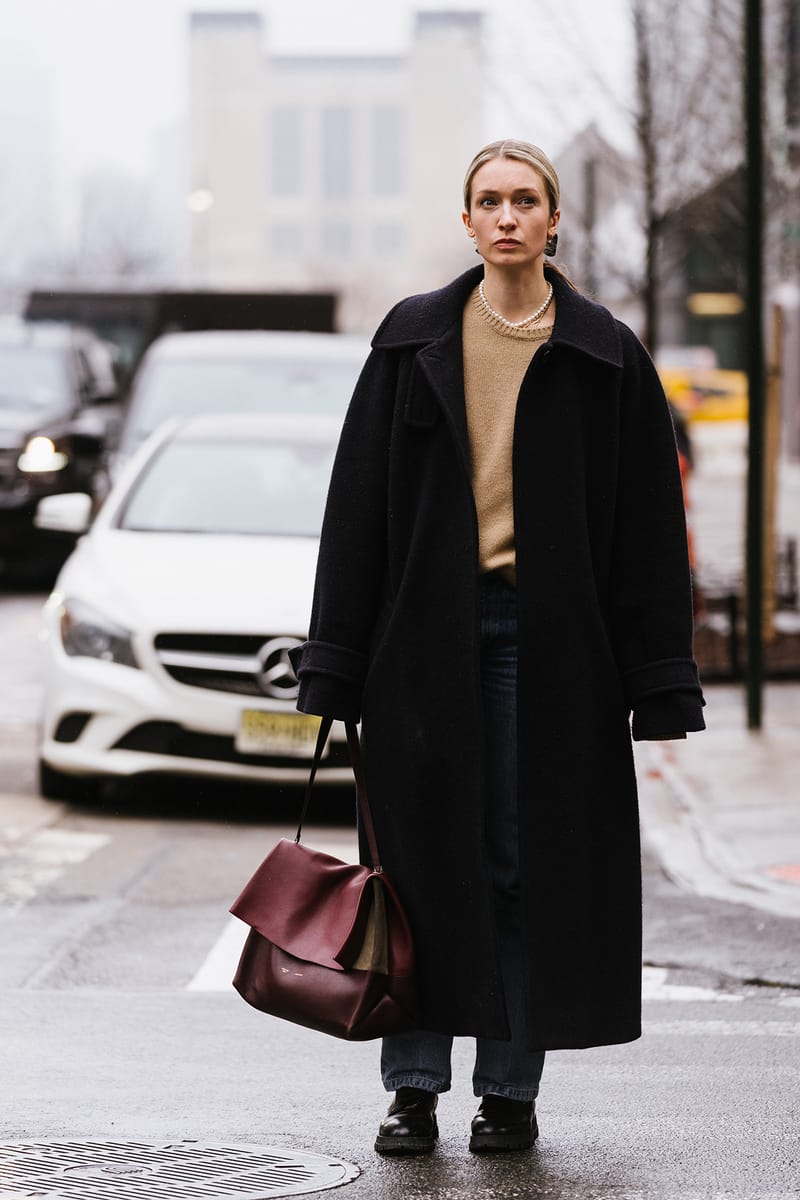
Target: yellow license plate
x,y
290,734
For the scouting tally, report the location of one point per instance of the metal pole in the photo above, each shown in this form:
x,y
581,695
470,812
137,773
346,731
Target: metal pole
x,y
589,222
755,363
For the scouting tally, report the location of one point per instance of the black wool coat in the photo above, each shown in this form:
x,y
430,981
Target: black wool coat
x,y
605,627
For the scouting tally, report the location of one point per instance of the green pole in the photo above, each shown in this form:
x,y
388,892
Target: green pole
x,y
755,363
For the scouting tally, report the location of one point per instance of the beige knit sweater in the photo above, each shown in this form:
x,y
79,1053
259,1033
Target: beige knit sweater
x,y
495,361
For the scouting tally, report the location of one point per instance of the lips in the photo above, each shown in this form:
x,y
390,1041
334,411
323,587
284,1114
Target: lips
x,y
507,242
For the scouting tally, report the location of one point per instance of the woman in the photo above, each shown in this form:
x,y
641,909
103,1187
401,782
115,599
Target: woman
x,y
502,578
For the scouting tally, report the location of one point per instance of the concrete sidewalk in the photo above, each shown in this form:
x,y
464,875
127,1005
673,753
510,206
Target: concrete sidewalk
x,y
721,811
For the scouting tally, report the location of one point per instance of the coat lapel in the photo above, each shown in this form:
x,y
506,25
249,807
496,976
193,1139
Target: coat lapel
x,y
431,325
419,321
583,325
442,365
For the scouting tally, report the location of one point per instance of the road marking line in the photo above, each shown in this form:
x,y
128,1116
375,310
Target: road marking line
x,y
27,865
786,1029
655,987
219,966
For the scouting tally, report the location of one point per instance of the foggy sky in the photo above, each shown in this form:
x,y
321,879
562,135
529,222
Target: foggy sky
x,y
117,68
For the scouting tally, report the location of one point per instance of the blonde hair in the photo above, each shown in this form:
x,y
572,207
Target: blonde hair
x,y
522,151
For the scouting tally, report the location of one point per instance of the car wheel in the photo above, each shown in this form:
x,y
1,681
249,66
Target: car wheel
x,y
58,785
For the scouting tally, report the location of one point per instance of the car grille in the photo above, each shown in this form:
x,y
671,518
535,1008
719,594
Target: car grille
x,y
246,664
169,738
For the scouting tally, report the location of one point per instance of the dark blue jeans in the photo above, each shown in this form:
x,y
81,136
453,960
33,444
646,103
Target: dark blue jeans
x,y
506,1068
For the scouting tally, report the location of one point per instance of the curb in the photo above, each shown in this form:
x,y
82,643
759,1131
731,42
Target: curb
x,y
691,853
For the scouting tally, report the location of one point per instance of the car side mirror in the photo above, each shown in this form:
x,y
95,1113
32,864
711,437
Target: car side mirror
x,y
69,512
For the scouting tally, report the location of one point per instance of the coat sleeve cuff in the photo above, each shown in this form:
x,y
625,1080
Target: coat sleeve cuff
x,y
663,676
331,679
667,715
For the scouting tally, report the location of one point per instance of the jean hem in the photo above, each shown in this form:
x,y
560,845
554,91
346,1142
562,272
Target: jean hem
x,y
482,1089
423,1082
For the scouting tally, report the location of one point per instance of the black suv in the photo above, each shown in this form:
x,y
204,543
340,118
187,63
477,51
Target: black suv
x,y
58,407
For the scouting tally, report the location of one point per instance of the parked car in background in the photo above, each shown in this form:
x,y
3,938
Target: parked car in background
x,y
184,374
57,411
168,631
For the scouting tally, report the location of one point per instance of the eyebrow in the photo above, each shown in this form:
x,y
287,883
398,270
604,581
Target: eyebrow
x,y
514,191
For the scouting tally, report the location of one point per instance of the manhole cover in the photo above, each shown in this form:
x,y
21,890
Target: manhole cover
x,y
170,1171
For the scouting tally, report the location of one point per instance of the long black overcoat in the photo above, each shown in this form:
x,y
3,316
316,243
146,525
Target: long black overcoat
x,y
605,625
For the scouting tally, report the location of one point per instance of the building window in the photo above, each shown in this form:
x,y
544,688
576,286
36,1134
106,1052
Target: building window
x,y
336,239
286,152
337,152
388,151
389,240
285,241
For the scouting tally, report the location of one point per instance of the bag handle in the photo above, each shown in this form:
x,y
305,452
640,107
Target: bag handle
x,y
354,747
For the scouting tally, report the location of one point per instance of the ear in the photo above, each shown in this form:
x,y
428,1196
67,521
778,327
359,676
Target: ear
x,y
467,224
553,226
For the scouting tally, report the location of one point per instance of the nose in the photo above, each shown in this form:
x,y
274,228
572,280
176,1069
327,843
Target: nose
x,y
506,218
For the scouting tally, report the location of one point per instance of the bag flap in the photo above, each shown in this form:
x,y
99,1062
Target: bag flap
x,y
312,905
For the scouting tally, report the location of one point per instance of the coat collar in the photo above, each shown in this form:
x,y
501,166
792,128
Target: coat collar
x,y
580,323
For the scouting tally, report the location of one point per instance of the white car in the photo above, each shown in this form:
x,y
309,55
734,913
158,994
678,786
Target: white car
x,y
193,373
167,634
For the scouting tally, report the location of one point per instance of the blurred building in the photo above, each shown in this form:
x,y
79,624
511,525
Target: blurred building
x,y
332,172
700,248
702,256
600,242
28,185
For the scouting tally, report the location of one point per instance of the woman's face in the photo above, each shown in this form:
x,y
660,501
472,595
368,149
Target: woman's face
x,y
509,213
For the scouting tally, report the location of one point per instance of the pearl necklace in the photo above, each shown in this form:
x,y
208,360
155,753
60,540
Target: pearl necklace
x,y
537,316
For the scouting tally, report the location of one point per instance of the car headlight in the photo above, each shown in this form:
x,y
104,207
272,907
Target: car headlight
x,y
40,455
87,633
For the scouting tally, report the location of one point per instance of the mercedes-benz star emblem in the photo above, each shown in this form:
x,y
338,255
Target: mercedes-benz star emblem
x,y
275,676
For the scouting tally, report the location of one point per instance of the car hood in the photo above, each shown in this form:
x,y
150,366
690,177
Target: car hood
x,y
16,424
202,582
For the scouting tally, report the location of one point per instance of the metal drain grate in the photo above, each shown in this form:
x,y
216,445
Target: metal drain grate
x,y
187,1170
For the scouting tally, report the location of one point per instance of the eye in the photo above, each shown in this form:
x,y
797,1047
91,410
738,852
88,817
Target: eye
x,y
529,200
486,202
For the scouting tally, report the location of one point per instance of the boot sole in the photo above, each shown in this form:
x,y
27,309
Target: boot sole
x,y
405,1145
483,1143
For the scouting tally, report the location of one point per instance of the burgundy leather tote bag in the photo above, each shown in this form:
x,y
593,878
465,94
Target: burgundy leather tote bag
x,y
329,944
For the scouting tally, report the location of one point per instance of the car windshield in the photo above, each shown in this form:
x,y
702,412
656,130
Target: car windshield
x,y
197,387
31,377
232,487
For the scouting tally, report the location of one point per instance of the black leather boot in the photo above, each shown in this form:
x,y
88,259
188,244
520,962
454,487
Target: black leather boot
x,y
503,1124
410,1125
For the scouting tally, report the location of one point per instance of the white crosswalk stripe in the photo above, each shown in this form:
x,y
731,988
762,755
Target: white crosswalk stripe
x,y
28,864
218,968
656,987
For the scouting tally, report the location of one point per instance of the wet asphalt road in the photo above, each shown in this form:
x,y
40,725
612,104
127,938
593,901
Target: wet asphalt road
x,y
118,1021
